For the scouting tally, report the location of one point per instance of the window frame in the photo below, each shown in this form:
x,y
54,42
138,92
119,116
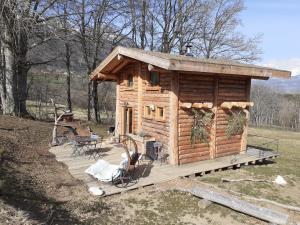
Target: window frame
x,y
147,112
158,79
158,109
127,81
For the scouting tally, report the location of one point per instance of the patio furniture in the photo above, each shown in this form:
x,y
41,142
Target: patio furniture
x,y
94,152
155,151
120,175
129,164
81,144
103,171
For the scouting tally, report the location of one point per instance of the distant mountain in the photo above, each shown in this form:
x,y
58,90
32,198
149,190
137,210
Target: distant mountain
x,y
287,86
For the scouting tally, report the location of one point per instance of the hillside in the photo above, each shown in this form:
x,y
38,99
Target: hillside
x,y
287,86
54,50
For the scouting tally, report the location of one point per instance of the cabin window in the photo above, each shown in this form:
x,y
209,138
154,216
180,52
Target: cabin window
x,y
147,111
160,114
130,80
154,78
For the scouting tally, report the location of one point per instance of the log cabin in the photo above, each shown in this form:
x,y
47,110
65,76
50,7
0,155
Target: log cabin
x,y
158,96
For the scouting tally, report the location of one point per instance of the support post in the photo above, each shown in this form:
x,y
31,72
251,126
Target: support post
x,y
173,143
213,134
117,116
246,111
140,98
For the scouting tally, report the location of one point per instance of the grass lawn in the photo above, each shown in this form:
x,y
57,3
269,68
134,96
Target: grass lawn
x,y
172,207
287,165
289,150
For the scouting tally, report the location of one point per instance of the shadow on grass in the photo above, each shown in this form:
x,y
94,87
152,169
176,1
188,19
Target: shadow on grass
x,y
22,192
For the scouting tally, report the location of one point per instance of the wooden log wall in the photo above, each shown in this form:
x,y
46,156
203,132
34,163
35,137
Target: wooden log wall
x,y
196,88
235,90
129,94
193,89
159,98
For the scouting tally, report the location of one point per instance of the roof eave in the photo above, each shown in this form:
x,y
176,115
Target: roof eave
x,y
188,66
228,69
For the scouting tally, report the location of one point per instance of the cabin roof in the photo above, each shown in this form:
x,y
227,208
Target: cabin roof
x,y
121,56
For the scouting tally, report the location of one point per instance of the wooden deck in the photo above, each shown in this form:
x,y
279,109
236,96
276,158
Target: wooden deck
x,y
152,173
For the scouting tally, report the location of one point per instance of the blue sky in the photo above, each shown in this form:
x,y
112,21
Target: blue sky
x,y
279,22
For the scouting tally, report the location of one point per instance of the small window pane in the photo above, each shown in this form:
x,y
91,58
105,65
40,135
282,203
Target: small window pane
x,y
154,78
160,113
147,111
130,81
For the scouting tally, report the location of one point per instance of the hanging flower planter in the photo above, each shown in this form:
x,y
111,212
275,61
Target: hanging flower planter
x,y
236,122
201,125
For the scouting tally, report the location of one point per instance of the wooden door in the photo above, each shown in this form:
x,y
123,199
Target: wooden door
x,y
127,120
129,125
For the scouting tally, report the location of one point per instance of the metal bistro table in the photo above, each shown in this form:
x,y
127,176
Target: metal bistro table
x,y
82,144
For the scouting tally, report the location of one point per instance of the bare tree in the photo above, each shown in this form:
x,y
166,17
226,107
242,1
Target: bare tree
x,y
138,17
209,25
57,118
66,34
218,38
21,22
273,108
98,23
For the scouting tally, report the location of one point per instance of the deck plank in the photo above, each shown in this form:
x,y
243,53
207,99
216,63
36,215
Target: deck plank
x,y
158,173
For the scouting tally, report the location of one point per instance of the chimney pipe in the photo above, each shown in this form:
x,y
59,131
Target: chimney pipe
x,y
188,50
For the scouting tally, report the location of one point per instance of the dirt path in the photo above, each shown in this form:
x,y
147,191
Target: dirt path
x,y
34,187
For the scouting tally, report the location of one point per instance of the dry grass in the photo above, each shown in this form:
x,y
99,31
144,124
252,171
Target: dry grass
x,y
46,112
287,165
30,172
172,207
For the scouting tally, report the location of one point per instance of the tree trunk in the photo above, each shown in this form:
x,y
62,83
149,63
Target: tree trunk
x,y
68,79
89,101
152,33
22,69
95,101
22,73
8,82
15,69
143,25
2,77
133,21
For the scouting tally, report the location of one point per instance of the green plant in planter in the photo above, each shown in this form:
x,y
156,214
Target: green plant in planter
x,y
201,125
236,123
